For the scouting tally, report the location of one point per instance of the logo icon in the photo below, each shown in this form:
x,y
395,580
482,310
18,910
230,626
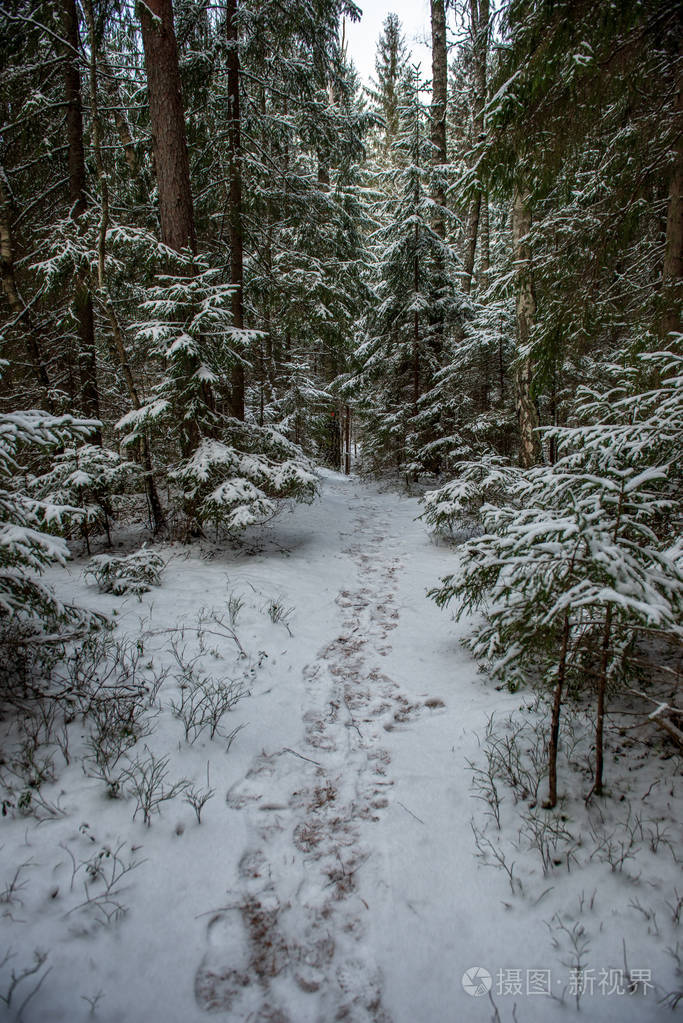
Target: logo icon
x,y
476,981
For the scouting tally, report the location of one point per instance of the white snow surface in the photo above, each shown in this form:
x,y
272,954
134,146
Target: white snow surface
x,y
334,873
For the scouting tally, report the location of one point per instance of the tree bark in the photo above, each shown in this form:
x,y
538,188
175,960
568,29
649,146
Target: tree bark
x,y
471,243
235,199
484,243
530,448
554,743
167,116
171,159
347,441
120,119
479,26
600,714
416,326
83,309
19,309
439,100
604,665
119,348
672,271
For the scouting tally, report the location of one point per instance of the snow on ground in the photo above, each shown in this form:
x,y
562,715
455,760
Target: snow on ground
x,y
333,875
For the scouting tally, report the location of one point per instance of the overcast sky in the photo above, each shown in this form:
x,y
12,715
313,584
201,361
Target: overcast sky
x,y
363,35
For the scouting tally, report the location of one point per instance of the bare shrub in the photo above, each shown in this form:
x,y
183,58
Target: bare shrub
x,y
146,778
203,700
10,993
103,882
197,799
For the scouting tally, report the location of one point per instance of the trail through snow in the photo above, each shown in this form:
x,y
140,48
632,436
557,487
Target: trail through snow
x,y
298,914
333,876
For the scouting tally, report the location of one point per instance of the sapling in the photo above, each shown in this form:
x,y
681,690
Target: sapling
x,y
232,473
88,478
31,616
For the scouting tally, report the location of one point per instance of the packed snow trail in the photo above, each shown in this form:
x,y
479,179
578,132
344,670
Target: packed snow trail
x,y
296,914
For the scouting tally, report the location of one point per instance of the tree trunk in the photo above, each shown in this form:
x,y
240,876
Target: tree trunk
x,y
19,309
471,243
479,27
323,172
439,100
167,117
530,448
673,256
602,688
554,743
235,199
484,243
155,508
416,326
111,84
83,309
347,441
604,663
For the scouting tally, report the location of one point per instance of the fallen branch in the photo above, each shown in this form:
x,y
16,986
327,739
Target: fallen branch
x,y
410,811
288,750
667,725
658,718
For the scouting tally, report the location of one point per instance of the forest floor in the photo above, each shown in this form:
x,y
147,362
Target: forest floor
x,y
336,873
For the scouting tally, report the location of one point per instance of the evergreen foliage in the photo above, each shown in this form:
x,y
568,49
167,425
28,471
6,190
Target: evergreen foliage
x,y
499,308
28,528
414,300
88,478
392,69
130,573
576,564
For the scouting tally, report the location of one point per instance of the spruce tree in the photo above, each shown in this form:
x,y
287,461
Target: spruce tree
x,y
412,291
391,68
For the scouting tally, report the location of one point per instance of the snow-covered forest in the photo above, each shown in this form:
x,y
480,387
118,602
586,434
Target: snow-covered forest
x,y
341,570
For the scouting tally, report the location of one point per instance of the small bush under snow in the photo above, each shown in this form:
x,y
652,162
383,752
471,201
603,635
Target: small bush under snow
x,y
122,574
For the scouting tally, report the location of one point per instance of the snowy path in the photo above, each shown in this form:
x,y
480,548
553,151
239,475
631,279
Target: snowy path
x,y
333,875
296,912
